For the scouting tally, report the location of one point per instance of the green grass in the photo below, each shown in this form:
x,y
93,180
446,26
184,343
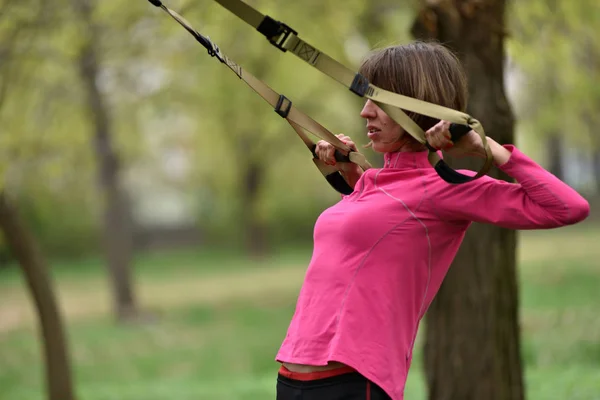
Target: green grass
x,y
220,319
157,265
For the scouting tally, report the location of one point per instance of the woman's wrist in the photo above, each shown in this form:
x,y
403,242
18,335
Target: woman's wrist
x,y
351,172
500,154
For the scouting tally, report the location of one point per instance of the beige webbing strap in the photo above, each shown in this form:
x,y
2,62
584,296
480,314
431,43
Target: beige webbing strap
x,y
299,121
296,117
286,39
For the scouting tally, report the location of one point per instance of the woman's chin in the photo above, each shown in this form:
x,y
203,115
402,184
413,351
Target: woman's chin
x,y
383,147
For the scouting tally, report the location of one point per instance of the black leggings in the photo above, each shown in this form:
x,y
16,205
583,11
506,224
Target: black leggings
x,y
349,386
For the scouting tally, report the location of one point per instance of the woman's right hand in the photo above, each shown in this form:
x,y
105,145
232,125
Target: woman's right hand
x,y
325,151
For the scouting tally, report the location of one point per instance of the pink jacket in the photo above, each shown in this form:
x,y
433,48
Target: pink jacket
x,y
381,253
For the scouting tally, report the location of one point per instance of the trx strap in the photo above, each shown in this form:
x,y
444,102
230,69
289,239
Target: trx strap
x,y
284,108
286,39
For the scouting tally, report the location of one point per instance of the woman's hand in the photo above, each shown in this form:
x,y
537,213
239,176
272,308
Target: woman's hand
x,y
470,144
325,151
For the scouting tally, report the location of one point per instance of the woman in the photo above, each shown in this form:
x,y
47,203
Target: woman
x,y
381,253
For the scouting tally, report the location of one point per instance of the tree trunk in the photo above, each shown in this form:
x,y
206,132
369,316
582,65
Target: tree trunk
x,y
118,243
255,231
25,250
472,348
555,156
596,166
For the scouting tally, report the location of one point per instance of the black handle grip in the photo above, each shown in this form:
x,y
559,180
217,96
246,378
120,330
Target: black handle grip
x,y
450,175
338,155
457,131
446,172
157,3
337,181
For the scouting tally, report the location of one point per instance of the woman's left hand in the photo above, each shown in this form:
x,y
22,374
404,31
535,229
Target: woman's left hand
x,y
470,144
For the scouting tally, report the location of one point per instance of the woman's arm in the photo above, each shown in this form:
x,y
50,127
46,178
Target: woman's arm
x,y
538,199
500,154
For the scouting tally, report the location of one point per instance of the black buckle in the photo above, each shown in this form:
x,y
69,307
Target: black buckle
x,y
277,32
212,48
360,84
278,108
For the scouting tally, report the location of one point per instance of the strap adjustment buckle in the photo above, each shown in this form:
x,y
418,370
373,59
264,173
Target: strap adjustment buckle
x,y
277,32
360,85
283,102
214,50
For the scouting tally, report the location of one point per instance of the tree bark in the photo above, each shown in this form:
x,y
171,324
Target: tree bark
x,y
472,343
118,230
24,248
253,175
555,156
596,166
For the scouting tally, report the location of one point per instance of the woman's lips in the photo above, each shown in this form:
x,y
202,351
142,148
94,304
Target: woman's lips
x,y
371,133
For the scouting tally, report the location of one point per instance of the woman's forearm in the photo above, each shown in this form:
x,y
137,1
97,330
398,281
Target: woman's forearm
x,y
500,154
351,173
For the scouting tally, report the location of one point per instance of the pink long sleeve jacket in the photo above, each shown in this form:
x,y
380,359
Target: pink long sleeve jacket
x,y
381,253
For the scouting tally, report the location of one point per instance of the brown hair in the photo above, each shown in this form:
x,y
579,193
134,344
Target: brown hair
x,y
426,71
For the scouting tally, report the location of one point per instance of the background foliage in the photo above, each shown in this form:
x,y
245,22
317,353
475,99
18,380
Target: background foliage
x,y
191,138
188,130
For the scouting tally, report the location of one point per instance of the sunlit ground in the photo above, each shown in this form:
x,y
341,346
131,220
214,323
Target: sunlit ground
x,y
219,319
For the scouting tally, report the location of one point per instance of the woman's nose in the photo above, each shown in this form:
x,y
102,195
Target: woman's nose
x,y
369,110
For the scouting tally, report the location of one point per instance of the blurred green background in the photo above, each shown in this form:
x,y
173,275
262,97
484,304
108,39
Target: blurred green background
x,y
218,196
220,318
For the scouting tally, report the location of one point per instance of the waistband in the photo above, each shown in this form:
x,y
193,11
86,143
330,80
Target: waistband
x,y
311,376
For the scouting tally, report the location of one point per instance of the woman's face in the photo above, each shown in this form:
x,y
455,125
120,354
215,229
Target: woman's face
x,y
383,131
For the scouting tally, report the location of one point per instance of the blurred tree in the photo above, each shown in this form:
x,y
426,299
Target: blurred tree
x,y
558,93
25,249
554,145
472,348
45,161
251,160
20,23
117,238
